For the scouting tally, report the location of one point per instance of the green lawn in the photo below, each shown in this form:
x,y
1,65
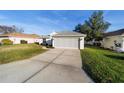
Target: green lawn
x,y
103,65
11,53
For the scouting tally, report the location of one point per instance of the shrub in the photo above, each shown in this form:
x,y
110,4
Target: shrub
x,y
24,42
97,44
49,46
36,43
6,42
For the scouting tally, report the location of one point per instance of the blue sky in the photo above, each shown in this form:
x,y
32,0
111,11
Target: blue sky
x,y
47,21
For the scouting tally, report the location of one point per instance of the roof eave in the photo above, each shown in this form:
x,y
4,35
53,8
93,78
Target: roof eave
x,y
69,36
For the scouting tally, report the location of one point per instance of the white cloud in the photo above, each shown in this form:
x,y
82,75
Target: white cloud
x,y
58,24
46,20
60,15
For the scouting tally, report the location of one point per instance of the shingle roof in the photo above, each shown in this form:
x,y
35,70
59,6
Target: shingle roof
x,y
118,32
22,35
69,33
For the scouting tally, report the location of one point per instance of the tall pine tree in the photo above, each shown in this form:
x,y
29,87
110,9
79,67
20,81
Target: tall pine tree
x,y
95,26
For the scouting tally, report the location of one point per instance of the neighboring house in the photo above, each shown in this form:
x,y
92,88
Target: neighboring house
x,y
111,39
17,37
68,39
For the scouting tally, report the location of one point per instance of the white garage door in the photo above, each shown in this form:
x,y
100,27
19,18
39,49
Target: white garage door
x,y
66,43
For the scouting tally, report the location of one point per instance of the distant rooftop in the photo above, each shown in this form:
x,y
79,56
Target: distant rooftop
x,y
117,32
21,35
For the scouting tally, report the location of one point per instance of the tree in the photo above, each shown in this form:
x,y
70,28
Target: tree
x,y
77,28
10,29
17,29
95,26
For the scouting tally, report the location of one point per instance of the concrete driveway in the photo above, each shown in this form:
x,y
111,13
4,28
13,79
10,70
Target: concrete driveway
x,y
53,66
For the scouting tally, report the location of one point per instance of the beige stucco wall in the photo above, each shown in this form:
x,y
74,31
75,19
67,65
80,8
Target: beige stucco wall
x,y
108,42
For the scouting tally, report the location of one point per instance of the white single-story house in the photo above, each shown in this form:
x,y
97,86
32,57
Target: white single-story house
x,y
65,39
111,39
17,37
68,39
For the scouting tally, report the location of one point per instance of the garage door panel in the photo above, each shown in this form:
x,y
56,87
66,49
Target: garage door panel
x,y
66,43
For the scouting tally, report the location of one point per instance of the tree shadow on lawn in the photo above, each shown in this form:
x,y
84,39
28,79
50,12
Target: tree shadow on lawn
x,y
115,57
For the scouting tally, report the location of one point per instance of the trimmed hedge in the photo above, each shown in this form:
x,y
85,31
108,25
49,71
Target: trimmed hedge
x,y
103,65
6,42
